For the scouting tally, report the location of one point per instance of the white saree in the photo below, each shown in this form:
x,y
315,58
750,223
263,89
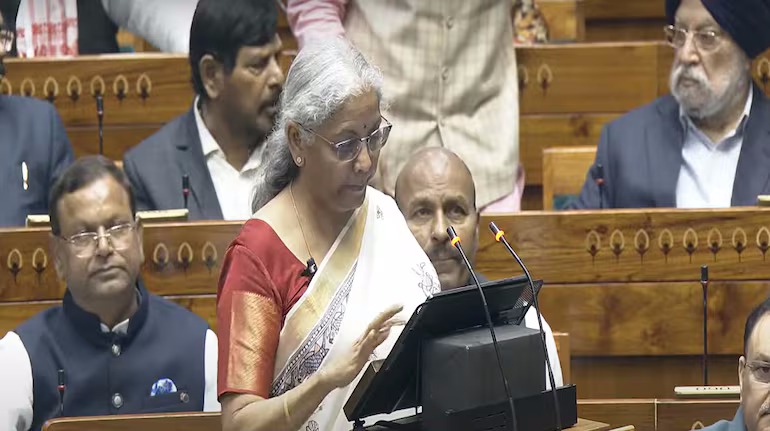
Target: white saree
x,y
375,262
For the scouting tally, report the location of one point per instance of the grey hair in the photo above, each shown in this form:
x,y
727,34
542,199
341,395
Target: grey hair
x,y
323,77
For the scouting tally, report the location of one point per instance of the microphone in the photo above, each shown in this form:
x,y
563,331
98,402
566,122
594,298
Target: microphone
x,y
599,180
310,269
500,237
185,188
61,387
455,240
704,282
100,118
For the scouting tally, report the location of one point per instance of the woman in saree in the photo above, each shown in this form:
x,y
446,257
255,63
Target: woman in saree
x,y
320,280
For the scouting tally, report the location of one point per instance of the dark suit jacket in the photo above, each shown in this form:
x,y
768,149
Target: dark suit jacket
x,y
155,168
641,154
97,34
30,132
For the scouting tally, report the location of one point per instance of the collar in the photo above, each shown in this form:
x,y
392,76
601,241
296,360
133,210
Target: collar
x,y
208,143
92,329
688,125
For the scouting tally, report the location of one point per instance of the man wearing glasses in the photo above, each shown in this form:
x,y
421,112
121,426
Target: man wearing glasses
x,y
707,145
34,149
753,375
111,347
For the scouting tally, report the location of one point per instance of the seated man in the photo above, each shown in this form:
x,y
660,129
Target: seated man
x,y
117,348
34,150
435,190
708,144
217,145
753,375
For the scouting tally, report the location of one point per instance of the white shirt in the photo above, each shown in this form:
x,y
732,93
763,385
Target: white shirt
x,y
530,321
708,169
16,396
235,189
165,24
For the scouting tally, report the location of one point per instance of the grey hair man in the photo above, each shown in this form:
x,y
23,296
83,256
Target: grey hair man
x,y
705,145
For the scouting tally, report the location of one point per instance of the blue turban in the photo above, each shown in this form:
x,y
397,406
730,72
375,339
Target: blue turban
x,y
747,21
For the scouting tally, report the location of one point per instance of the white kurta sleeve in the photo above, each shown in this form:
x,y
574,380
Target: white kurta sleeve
x,y
530,321
210,403
16,388
165,24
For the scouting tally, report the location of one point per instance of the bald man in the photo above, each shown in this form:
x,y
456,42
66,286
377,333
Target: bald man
x,y
435,190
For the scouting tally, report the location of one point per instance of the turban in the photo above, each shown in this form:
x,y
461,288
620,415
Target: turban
x,y
747,21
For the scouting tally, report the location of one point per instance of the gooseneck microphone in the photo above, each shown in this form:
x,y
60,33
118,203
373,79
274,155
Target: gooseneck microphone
x,y
455,240
100,119
704,282
599,180
185,188
500,237
61,387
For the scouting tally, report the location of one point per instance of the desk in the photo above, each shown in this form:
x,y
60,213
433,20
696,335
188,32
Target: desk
x,y
582,425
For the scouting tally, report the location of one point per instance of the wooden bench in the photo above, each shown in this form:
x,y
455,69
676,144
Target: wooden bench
x,y
623,284
567,92
564,171
658,414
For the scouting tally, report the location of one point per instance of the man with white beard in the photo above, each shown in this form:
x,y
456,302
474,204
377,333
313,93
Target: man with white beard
x,y
707,145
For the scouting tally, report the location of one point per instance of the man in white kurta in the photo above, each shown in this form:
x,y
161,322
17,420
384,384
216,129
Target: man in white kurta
x,y
450,74
434,191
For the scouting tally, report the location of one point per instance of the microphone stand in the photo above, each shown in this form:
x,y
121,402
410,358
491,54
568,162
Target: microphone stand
x,y
185,189
455,240
599,179
100,119
500,237
704,282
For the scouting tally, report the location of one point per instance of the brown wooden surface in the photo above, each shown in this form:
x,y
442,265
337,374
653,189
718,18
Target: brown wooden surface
x,y
613,9
588,425
194,421
557,246
639,413
686,415
565,19
657,414
564,170
538,132
647,376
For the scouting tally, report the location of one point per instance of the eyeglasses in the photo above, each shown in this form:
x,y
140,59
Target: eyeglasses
x,y
760,371
119,237
6,39
349,149
705,41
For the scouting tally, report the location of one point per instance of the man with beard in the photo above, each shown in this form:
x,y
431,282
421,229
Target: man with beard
x,y
217,145
708,144
110,347
34,150
435,190
753,375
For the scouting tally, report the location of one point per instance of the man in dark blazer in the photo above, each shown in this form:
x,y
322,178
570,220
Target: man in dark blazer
x,y
216,145
34,149
708,143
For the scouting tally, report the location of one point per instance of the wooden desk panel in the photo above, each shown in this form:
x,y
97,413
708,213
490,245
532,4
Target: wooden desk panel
x,y
631,245
194,421
616,413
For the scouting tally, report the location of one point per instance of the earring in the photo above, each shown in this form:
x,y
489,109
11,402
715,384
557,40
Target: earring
x,y
299,161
